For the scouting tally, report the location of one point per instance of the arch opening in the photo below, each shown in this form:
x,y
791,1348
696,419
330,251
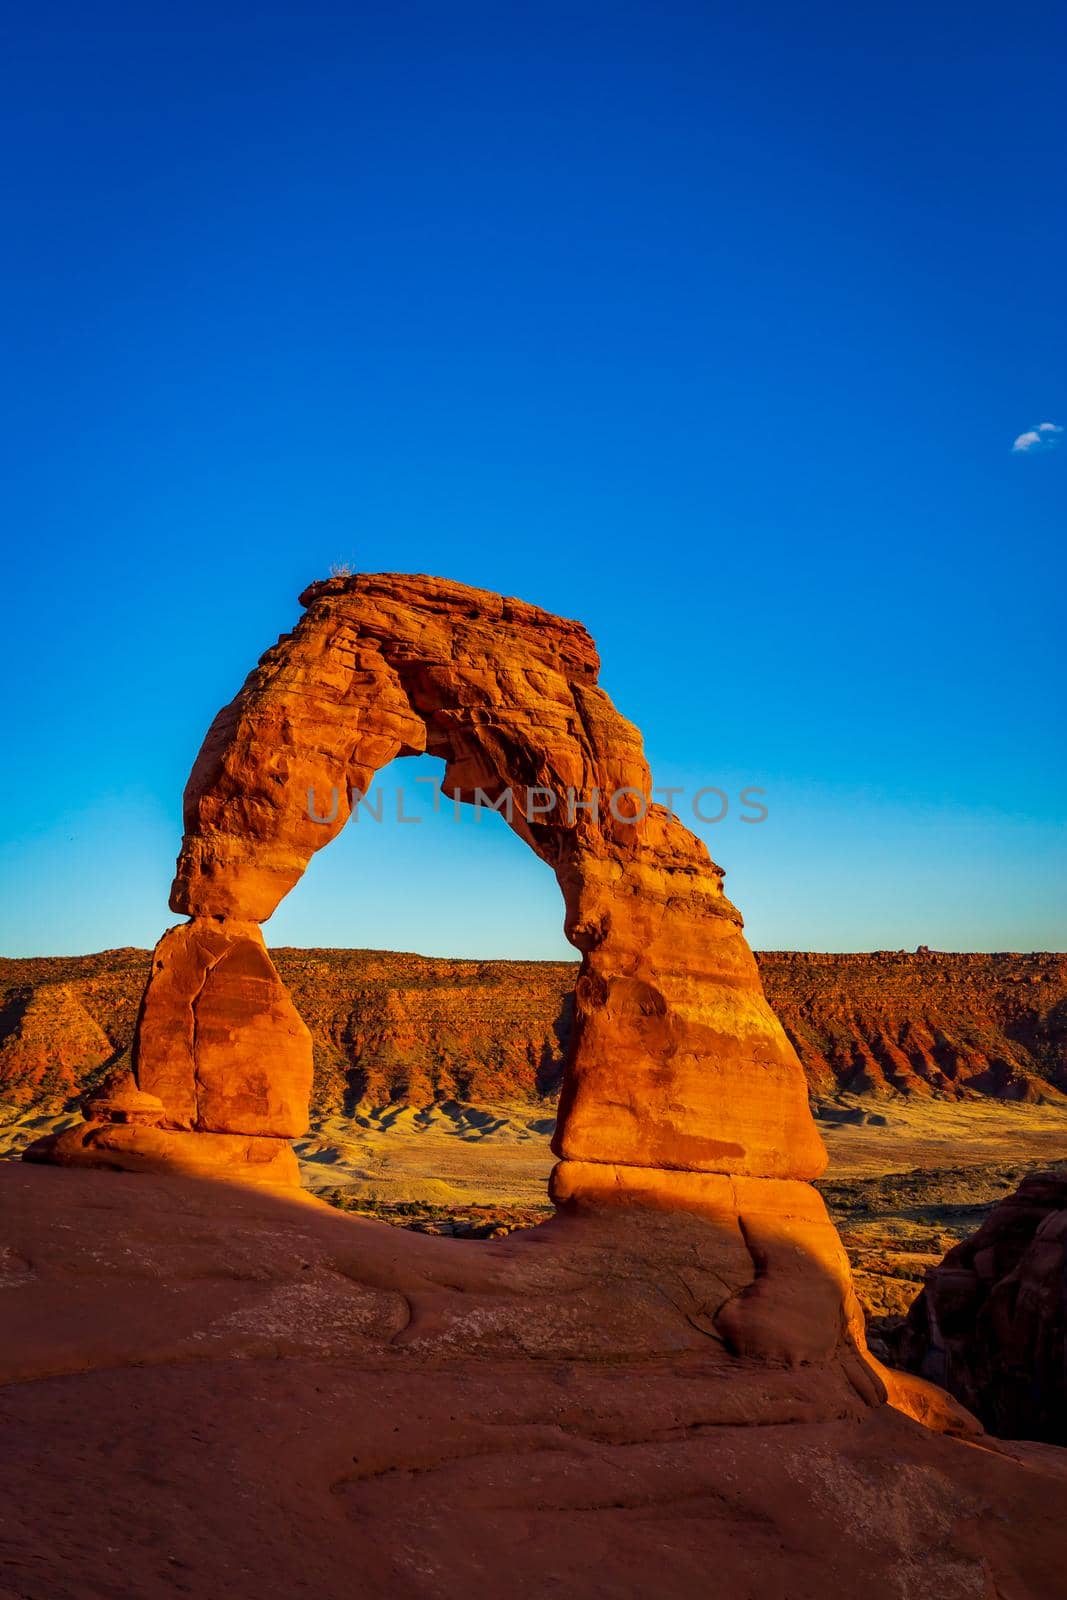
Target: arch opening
x,y
438,1033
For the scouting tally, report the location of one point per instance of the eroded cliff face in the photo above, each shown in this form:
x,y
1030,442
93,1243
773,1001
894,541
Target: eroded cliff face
x,y
63,1019
924,1023
386,1026
414,1029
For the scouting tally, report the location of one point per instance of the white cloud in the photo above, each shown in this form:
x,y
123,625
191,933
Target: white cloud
x,y
1043,437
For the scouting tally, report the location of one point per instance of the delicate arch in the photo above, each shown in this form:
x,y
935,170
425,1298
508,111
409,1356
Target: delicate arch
x,y
675,1062
681,1091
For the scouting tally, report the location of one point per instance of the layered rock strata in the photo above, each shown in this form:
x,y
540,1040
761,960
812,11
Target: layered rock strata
x,y
388,1026
925,1022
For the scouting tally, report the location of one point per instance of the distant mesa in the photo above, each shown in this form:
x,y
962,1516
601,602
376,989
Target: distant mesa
x,y
50,1042
391,1027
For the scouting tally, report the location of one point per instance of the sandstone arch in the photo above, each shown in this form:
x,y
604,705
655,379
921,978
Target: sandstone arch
x,y
677,1062
681,1091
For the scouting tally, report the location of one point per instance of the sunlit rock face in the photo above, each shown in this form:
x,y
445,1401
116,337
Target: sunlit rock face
x,y
218,1039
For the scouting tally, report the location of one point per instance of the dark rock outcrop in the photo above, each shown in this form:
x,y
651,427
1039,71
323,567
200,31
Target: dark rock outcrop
x,y
990,1324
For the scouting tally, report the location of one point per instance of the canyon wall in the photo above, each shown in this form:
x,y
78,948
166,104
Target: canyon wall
x,y
393,1026
925,1022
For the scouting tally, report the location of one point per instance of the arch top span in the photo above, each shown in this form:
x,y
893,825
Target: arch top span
x,y
388,665
676,1062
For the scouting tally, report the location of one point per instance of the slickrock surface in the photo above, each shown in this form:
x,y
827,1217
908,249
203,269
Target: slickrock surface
x,y
991,1323
215,1390
387,1026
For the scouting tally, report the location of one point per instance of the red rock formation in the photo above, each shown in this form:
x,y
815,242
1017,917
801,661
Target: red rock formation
x,y
676,1060
682,1096
222,1049
991,1323
925,1022
219,1040
119,1100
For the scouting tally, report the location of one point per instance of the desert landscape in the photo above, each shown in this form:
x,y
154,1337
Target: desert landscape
x,y
538,1249
533,954
936,1080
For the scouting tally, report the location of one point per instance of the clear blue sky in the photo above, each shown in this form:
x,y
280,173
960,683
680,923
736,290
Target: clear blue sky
x,y
710,325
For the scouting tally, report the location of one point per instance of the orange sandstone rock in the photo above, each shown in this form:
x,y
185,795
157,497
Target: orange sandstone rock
x,y
676,1061
118,1099
793,1299
219,1040
151,1149
681,1092
223,1063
